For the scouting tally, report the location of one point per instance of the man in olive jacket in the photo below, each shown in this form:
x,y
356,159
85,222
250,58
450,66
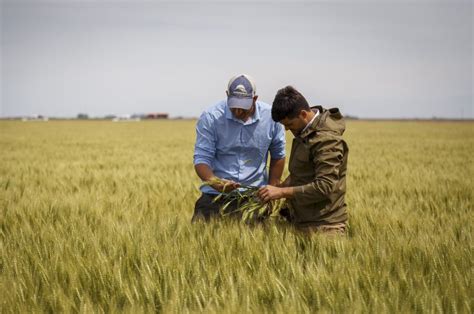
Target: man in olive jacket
x,y
316,186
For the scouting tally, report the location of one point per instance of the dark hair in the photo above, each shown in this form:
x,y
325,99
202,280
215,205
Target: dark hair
x,y
288,103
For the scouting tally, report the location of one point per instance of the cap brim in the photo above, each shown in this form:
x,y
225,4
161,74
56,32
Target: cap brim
x,y
240,102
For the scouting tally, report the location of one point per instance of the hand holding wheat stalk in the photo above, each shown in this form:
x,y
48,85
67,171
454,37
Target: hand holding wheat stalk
x,y
249,205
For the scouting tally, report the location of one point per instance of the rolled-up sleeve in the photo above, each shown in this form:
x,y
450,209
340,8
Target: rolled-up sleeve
x,y
205,147
277,145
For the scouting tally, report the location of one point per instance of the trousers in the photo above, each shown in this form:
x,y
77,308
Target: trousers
x,y
207,207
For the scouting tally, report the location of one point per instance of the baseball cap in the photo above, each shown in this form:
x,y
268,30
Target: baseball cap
x,y
241,90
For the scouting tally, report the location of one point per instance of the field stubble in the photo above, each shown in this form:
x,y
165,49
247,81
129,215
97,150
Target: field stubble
x,y
96,216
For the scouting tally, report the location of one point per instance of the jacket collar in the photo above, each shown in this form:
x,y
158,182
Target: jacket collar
x,y
314,126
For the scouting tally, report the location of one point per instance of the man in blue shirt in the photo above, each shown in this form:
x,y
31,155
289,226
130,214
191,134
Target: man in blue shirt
x,y
233,140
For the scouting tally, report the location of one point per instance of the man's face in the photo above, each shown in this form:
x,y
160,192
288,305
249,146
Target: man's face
x,y
243,114
295,125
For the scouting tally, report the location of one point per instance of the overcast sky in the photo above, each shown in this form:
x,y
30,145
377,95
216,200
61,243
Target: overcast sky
x,y
373,59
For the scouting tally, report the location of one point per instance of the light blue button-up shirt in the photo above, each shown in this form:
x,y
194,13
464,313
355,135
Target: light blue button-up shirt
x,y
237,150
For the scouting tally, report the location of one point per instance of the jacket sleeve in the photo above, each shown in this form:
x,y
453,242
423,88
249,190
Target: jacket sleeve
x,y
205,147
327,157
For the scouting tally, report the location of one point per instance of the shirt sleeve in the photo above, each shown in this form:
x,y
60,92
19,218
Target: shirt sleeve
x,y
277,145
327,158
205,147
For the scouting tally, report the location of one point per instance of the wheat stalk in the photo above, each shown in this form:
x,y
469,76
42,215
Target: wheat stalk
x,y
249,205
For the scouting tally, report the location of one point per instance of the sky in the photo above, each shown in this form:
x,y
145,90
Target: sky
x,y
372,59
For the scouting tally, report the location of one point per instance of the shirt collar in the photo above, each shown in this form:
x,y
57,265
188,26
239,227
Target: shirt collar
x,y
254,118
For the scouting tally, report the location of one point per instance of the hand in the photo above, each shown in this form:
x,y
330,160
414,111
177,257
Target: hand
x,y
225,185
268,192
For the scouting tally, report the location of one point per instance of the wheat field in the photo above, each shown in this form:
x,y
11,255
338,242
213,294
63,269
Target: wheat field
x,y
95,217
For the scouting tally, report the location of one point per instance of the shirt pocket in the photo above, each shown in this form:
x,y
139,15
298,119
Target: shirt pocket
x,y
301,164
254,143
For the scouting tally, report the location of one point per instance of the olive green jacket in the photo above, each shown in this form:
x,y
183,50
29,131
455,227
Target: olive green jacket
x,y
318,165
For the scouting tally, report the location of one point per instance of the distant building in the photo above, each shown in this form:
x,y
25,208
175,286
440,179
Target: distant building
x,y
125,117
157,116
35,117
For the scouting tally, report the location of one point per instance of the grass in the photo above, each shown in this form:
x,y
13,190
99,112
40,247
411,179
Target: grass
x,y
95,216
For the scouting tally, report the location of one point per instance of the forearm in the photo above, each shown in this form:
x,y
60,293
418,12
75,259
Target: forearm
x,y
204,172
287,192
317,189
207,175
276,170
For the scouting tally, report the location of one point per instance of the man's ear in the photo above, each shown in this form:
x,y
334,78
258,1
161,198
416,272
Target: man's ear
x,y
254,100
303,114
